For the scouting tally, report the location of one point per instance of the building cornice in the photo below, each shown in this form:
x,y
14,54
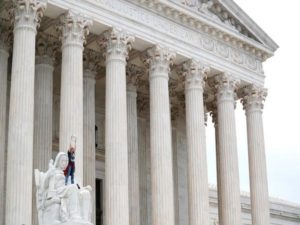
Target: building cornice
x,y
152,24
204,23
240,15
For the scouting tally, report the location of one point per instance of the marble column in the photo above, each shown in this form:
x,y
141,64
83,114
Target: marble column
x,y
253,100
163,212
228,161
44,67
214,114
89,153
74,29
133,151
117,44
196,144
42,140
4,54
27,15
142,126
143,138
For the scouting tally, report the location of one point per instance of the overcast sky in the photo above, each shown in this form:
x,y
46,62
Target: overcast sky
x,y
280,20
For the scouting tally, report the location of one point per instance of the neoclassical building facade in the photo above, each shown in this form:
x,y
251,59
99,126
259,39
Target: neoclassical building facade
x,y
134,81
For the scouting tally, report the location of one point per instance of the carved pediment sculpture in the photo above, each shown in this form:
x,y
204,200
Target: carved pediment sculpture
x,y
191,3
60,204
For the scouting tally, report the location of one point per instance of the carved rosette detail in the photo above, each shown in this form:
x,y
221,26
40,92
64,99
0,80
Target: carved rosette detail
x,y
116,44
253,98
28,13
226,87
159,59
74,28
195,75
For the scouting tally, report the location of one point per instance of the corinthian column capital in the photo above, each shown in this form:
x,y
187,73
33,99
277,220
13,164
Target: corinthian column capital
x,y
28,13
74,28
133,76
253,98
91,60
213,112
159,59
46,48
195,74
116,43
226,86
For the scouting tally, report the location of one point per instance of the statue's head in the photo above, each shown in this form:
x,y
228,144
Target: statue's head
x,y
61,161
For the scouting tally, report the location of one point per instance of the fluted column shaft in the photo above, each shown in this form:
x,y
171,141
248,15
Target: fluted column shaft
x,y
117,44
163,211
214,115
74,29
196,145
133,155
228,161
42,140
4,54
89,154
21,122
43,112
253,104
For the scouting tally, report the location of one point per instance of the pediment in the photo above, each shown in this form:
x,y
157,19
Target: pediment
x,y
231,16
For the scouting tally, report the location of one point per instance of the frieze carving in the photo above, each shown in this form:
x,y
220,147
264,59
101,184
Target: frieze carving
x,y
237,56
251,63
208,44
219,45
28,13
74,28
223,50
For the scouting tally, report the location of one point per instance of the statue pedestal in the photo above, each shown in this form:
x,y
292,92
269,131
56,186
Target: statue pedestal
x,y
60,204
76,223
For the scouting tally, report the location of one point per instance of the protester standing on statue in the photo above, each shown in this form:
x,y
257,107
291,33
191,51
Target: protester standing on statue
x,y
70,170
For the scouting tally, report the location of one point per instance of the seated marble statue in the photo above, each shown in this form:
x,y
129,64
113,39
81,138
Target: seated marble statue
x,y
58,203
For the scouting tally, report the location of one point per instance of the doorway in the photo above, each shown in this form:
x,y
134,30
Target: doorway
x,y
99,202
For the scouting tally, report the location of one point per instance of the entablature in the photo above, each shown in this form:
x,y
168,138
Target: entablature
x,y
192,35
153,25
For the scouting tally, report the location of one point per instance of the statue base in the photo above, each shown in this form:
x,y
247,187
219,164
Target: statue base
x,y
75,223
